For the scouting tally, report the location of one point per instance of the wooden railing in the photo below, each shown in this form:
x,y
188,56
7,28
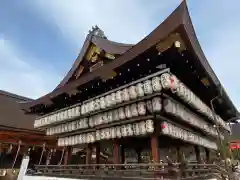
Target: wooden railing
x,y
132,171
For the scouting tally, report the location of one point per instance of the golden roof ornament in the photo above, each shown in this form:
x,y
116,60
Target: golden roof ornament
x,y
96,31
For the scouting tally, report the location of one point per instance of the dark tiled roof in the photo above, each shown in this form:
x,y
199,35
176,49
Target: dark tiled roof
x,y
11,114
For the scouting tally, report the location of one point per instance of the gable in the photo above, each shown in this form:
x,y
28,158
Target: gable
x,y
96,52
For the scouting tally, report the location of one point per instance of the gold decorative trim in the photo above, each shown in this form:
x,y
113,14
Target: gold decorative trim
x,y
95,66
169,41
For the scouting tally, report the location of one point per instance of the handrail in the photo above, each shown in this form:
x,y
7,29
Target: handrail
x,y
133,171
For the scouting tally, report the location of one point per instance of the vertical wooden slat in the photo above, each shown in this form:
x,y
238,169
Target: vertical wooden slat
x,y
97,153
116,154
197,152
154,147
89,154
67,156
207,155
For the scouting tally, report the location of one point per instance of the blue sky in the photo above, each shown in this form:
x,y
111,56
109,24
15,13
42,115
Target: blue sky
x,y
40,39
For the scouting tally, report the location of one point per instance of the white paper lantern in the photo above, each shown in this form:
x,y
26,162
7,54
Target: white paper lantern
x,y
124,130
128,112
108,133
105,117
78,110
142,128
119,97
108,100
87,107
132,92
149,106
91,123
165,81
140,90
85,123
59,142
69,127
141,108
147,86
134,110
174,82
91,106
66,141
121,113
83,109
157,104
73,124
115,115
80,139
149,126
129,130
113,133
69,114
110,116
65,127
113,98
48,132
156,84
65,114
102,103
97,104
103,136
98,135
136,129
118,132
125,95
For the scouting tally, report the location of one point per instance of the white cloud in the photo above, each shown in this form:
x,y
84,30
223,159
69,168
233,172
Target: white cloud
x,y
123,21
21,77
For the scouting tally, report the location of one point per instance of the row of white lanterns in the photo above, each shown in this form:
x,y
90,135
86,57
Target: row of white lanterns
x,y
171,82
130,93
126,112
68,127
140,128
122,113
57,117
146,87
189,117
179,133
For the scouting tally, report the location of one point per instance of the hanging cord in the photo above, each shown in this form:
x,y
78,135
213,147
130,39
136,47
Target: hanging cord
x,y
60,162
16,156
43,150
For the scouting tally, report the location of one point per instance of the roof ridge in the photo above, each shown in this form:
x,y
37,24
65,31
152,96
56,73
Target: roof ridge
x,y
16,96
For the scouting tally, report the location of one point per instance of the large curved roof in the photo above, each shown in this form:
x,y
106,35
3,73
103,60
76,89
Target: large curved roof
x,y
103,43
178,22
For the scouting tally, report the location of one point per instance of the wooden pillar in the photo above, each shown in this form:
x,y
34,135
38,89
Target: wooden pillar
x,y
122,149
97,153
154,147
207,151
179,158
197,152
89,154
116,152
67,156
138,152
